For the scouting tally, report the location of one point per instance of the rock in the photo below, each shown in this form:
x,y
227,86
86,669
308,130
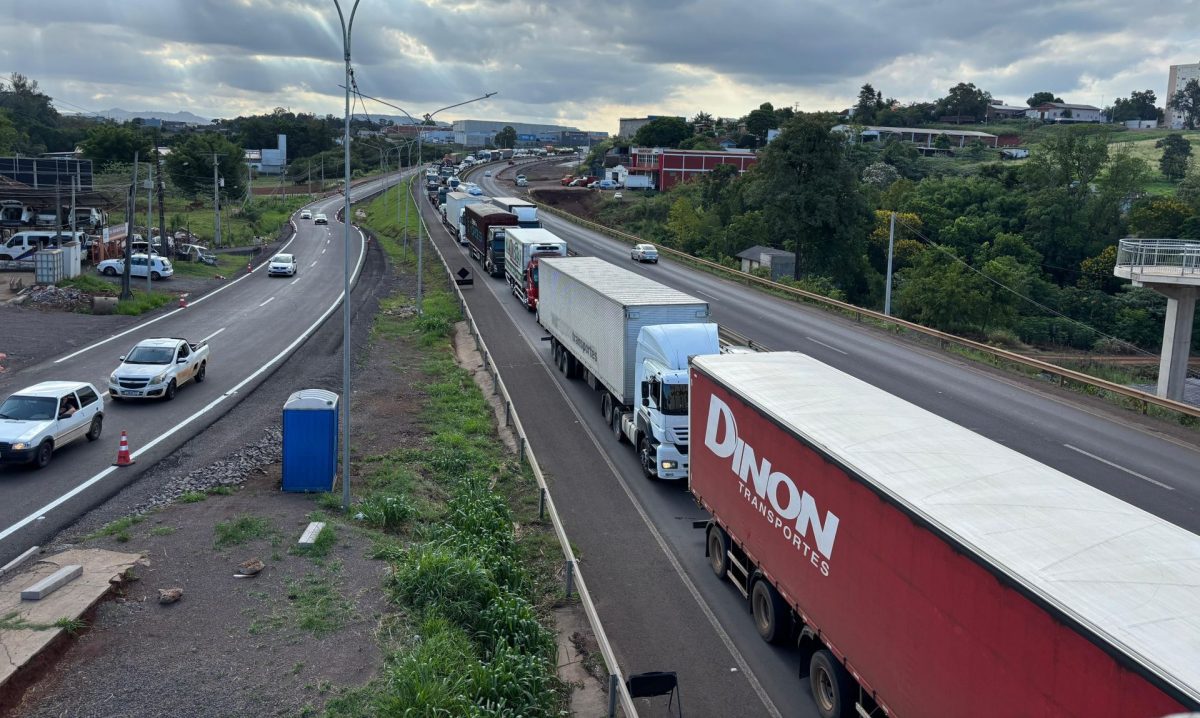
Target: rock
x,y
250,568
169,595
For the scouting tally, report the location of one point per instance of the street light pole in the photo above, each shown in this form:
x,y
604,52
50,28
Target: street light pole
x,y
346,30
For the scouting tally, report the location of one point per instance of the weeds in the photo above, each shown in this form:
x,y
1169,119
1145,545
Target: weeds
x,y
162,530
143,302
192,497
240,530
321,547
319,606
117,530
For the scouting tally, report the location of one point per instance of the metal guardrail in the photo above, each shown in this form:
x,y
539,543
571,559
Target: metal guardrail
x,y
1160,256
616,685
1062,374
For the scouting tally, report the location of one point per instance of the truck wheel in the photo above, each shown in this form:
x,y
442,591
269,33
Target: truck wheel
x,y
647,458
200,372
44,452
96,427
770,612
606,406
718,551
169,394
615,423
831,685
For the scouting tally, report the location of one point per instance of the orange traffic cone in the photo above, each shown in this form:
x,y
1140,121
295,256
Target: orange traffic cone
x,y
183,301
249,268
123,458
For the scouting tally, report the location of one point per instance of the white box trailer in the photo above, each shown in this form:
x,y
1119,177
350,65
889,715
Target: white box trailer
x,y
452,212
525,210
522,247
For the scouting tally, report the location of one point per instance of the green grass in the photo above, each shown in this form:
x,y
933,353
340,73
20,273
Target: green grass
x,y
12,622
321,547
318,604
219,491
226,265
262,216
143,302
241,530
192,497
118,529
91,284
162,530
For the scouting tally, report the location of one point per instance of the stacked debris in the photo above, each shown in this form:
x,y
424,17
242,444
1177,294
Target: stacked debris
x,y
61,298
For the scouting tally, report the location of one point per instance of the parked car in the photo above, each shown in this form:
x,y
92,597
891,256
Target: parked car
x,y
37,421
487,173
644,253
159,267
606,184
617,195
155,368
593,185
320,218
282,265
195,253
305,214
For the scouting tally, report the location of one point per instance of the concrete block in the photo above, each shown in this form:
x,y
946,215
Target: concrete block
x,y
309,537
52,583
20,560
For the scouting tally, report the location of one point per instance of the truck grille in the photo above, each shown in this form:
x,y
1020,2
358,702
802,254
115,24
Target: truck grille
x,y
132,383
4,446
680,435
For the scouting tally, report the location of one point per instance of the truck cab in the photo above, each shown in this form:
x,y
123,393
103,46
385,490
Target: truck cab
x,y
658,424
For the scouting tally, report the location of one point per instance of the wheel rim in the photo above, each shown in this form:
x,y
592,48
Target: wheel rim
x,y
716,554
647,457
823,689
762,610
44,453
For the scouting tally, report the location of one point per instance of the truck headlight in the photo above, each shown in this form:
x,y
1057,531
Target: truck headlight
x,y
20,445
670,464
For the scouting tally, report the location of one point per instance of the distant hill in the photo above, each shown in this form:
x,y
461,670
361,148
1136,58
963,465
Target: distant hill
x,y
120,115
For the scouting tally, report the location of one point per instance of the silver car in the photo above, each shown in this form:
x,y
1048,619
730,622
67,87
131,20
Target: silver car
x,y
644,253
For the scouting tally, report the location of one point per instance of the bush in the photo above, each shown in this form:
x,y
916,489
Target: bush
x,y
1004,338
456,586
388,513
1110,345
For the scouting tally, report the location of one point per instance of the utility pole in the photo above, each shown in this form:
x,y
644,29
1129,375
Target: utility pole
x,y
149,233
130,208
216,205
887,295
162,187
74,180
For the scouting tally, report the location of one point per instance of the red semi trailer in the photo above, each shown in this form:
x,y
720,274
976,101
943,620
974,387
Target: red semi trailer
x,y
926,571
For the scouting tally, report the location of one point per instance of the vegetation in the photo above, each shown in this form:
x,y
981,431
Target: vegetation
x,y
241,530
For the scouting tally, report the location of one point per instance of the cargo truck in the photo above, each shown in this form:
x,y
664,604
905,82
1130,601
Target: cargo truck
x,y
525,210
452,213
485,225
522,248
629,338
924,570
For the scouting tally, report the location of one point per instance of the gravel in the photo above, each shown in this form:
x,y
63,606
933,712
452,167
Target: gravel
x,y
231,471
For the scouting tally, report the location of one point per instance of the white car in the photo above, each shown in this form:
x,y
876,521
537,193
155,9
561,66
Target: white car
x,y
487,173
159,267
320,218
305,214
35,422
644,253
282,265
617,195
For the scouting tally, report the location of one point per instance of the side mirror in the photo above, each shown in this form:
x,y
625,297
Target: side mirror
x,y
645,390
122,357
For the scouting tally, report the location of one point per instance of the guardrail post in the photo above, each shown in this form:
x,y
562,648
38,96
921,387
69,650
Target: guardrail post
x,y
522,457
507,413
542,503
570,577
613,682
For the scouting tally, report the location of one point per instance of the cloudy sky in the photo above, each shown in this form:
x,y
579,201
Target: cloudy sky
x,y
588,62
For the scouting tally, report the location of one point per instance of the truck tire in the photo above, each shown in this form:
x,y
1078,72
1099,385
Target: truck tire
x,y
200,372
770,612
647,458
832,687
718,551
169,394
614,421
44,453
96,427
606,406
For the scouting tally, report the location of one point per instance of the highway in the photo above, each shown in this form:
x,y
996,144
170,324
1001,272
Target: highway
x,y
251,323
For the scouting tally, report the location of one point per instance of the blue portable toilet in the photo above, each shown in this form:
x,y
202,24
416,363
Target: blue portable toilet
x,y
310,440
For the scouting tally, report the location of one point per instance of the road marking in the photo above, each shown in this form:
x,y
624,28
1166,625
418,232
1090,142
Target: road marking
x,y
818,341
201,412
697,291
172,313
297,279
210,336
313,264
267,302
323,250
1131,472
105,393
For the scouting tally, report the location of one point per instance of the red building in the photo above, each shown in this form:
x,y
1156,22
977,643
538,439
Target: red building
x,y
667,168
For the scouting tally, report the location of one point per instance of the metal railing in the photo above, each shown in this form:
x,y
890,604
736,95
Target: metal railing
x,y
617,690
1159,256
1142,399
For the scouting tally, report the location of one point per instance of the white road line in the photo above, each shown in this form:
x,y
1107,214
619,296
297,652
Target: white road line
x,y
313,264
1131,472
323,250
267,302
210,336
297,279
697,291
172,313
201,412
827,346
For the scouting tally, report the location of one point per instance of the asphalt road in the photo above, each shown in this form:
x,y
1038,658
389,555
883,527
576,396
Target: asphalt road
x,y
252,324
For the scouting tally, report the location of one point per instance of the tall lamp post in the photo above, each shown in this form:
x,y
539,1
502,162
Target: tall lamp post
x,y
347,27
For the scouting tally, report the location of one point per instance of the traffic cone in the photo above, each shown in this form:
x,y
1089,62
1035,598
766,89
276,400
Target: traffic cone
x,y
249,268
123,458
183,301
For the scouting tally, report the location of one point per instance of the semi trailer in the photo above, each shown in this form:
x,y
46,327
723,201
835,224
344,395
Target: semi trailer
x,y
485,225
522,249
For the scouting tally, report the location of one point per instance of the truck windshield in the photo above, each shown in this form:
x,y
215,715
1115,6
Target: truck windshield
x,y
150,355
28,408
674,400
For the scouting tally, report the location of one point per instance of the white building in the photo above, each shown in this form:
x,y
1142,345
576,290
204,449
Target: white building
x,y
1064,112
1176,79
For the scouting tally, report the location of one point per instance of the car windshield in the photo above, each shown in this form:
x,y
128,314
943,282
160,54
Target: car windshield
x,y
674,399
283,258
150,355
28,408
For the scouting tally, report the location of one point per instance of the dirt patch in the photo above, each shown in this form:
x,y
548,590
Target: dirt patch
x,y
579,202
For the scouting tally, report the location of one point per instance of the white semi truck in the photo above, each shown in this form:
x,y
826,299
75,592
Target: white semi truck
x,y
630,338
452,213
525,210
522,249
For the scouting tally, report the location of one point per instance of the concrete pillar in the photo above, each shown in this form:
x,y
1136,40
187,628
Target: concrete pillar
x,y
1177,339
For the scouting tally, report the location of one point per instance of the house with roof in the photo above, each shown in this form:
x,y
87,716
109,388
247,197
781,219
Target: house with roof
x,y
1064,112
781,263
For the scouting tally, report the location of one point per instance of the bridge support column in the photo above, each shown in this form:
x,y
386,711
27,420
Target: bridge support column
x,y
1177,339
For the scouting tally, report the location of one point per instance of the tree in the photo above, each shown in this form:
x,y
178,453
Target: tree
x,y
1159,217
662,132
1138,106
1040,97
506,138
1188,190
9,135
699,142
190,164
1187,102
1097,272
702,120
942,142
115,143
869,103
32,115
761,120
1175,156
880,174
810,199
964,100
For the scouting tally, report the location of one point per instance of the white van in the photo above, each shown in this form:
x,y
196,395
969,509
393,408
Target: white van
x,y
23,245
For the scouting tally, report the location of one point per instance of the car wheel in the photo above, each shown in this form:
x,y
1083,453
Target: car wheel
x,y
169,394
155,276
110,272
44,452
96,427
200,372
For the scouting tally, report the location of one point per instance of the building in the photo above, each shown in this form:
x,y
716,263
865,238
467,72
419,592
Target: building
x,y
481,133
271,160
667,167
920,136
1064,112
1176,79
782,264
1001,111
630,125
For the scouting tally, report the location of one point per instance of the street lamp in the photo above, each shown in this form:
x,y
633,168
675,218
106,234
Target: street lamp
x,y
346,30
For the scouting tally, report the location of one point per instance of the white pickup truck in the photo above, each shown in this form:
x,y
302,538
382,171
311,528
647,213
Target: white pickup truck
x,y
156,368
